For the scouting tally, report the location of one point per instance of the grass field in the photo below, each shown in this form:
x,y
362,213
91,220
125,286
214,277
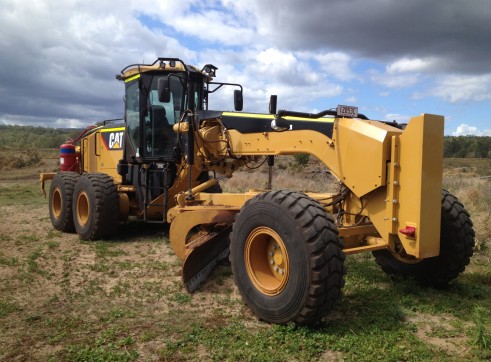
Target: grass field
x,y
123,300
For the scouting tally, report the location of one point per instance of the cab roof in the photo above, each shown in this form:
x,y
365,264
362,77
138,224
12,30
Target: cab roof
x,y
161,64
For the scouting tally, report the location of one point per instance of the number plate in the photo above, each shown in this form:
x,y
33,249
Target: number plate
x,y
347,111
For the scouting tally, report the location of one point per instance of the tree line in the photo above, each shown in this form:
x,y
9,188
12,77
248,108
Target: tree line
x,y
34,137
467,147
42,137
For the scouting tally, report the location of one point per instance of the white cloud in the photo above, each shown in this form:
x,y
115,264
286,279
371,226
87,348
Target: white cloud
x,y
336,64
276,62
351,100
404,72
62,56
205,20
9,119
272,71
394,80
69,123
457,88
411,65
416,29
59,57
467,130
62,62
284,67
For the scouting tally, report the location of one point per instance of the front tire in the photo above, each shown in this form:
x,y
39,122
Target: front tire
x,y
95,206
456,248
286,258
60,200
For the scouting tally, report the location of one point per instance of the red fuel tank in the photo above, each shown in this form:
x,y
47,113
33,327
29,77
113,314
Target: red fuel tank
x,y
68,157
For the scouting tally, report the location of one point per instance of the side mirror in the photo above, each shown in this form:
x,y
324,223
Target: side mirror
x,y
164,90
238,100
272,104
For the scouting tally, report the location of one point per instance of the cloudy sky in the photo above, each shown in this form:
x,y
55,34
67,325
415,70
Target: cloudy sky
x,y
393,59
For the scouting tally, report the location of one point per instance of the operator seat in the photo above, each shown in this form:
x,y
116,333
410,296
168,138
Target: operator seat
x,y
163,135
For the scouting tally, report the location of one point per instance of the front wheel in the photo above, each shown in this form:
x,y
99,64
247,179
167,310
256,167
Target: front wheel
x,y
286,258
95,206
456,248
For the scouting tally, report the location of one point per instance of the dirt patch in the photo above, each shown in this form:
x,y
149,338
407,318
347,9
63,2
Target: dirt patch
x,y
55,285
441,332
331,356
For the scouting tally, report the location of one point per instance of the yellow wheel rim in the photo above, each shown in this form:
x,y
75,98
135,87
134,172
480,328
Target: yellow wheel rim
x,y
266,261
56,202
82,208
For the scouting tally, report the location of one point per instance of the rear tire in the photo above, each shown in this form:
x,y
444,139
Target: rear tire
x,y
60,200
456,248
95,206
286,257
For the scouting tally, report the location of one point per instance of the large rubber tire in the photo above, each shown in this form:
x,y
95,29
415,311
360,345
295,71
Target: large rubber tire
x,y
95,206
286,258
60,200
456,248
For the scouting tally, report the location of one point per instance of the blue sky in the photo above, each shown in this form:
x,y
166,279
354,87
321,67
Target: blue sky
x,y
392,59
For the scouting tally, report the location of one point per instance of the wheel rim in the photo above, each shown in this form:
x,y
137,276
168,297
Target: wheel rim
x,y
56,202
82,208
266,260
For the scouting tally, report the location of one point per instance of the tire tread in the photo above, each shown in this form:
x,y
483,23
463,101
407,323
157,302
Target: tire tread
x,y
67,179
457,244
106,206
323,245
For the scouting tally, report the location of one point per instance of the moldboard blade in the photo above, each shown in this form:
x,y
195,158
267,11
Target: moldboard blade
x,y
203,259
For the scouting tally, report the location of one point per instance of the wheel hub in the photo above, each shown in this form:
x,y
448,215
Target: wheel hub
x,y
266,260
56,202
83,208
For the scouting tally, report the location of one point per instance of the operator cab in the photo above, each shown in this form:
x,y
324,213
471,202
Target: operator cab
x,y
149,120
156,96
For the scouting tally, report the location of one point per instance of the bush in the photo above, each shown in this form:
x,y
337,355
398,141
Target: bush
x,y
25,159
301,159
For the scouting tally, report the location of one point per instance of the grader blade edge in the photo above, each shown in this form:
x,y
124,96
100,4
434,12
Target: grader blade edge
x,y
203,259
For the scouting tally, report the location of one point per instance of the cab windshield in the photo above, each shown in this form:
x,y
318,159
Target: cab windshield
x,y
176,103
155,139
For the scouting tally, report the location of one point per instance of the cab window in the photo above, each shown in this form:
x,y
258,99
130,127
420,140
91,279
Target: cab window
x,y
160,139
132,110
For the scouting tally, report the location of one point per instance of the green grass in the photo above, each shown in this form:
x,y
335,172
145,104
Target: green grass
x,y
12,261
468,166
8,307
21,194
123,300
32,263
481,331
108,250
370,323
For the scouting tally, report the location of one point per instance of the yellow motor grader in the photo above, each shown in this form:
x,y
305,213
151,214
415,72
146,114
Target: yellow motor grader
x,y
286,248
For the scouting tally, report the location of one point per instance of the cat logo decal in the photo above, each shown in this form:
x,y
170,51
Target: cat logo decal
x,y
113,138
